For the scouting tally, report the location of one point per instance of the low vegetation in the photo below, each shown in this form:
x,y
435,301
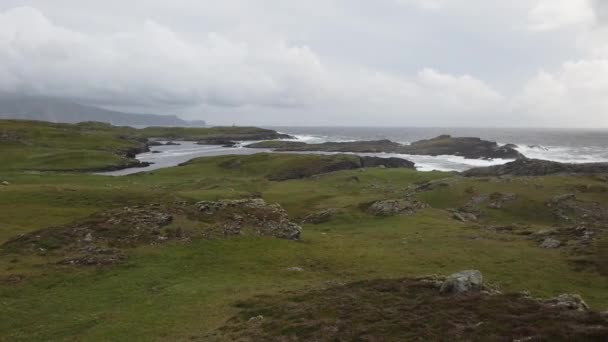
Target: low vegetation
x,y
162,269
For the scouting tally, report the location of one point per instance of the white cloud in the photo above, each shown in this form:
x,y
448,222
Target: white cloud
x,y
153,65
424,4
467,62
549,15
577,95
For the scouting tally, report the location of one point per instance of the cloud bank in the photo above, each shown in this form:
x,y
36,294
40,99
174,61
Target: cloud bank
x,y
262,76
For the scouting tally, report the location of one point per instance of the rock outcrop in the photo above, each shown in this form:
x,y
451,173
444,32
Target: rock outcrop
x,y
395,207
569,302
104,237
536,167
463,282
471,148
217,141
317,165
234,216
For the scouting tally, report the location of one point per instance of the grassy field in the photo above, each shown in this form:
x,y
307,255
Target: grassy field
x,y
177,291
89,146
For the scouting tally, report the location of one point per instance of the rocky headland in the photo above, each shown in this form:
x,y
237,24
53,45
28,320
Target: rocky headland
x,y
470,148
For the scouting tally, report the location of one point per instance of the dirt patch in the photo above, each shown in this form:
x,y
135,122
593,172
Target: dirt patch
x,y
412,310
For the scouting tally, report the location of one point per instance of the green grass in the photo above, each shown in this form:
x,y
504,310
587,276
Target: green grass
x,y
35,145
183,291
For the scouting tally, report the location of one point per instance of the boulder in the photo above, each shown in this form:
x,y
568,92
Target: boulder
x,y
551,243
463,282
396,207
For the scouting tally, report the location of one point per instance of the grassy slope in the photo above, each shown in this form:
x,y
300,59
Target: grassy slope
x,y
185,291
34,145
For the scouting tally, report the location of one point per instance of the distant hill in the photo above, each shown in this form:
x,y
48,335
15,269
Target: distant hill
x,y
59,110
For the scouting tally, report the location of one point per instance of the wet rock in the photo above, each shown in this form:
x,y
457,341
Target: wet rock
x,y
551,243
396,207
568,301
463,282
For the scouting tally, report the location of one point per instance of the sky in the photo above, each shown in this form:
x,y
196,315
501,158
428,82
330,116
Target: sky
x,y
536,63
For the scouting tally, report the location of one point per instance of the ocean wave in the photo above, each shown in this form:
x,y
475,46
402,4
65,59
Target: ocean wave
x,y
562,154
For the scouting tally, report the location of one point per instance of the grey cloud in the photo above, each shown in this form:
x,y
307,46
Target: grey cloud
x,y
407,62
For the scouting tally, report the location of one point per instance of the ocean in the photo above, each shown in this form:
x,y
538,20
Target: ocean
x,y
562,145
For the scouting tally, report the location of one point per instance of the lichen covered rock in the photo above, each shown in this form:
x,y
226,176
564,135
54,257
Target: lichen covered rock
x,y
463,282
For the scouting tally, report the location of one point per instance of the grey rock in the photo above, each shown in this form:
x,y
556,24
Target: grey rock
x,y
569,301
463,282
551,243
88,237
5,183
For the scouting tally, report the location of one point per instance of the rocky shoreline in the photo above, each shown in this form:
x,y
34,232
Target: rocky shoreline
x,y
537,167
469,148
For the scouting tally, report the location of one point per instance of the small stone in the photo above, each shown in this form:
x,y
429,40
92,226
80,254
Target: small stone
x,y
88,237
462,282
551,243
5,183
256,318
295,269
459,217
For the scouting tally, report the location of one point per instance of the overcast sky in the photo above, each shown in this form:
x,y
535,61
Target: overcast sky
x,y
318,62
